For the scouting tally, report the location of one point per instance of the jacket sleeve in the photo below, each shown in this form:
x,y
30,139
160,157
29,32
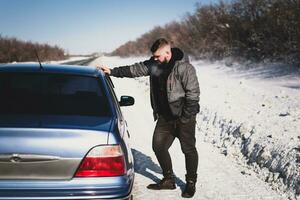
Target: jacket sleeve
x,y
131,71
192,92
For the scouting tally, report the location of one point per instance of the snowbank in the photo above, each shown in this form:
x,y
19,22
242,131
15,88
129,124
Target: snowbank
x,y
254,119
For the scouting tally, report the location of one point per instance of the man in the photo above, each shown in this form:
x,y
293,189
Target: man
x,y
174,92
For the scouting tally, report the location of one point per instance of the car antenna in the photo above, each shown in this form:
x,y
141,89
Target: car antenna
x,y
36,53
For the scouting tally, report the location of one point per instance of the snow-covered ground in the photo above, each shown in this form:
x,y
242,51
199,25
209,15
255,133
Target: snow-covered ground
x,y
247,133
253,115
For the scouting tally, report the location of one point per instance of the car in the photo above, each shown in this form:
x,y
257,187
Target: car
x,y
62,134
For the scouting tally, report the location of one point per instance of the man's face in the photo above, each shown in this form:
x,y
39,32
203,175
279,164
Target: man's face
x,y
163,54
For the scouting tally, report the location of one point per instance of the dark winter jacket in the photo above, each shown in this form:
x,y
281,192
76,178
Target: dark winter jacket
x,y
182,84
159,89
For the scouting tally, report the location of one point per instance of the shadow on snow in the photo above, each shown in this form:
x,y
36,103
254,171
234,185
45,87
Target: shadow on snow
x,y
143,162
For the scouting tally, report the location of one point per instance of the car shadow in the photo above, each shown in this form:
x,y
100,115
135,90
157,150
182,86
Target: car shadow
x,y
143,162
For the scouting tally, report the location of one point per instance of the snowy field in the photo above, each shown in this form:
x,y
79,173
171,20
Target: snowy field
x,y
247,133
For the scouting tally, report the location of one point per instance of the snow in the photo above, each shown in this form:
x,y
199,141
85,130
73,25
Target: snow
x,y
247,133
73,58
254,118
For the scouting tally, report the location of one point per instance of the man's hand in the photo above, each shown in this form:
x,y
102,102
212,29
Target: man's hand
x,y
105,69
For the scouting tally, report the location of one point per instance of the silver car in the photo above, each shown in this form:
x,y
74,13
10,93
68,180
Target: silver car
x,y
62,134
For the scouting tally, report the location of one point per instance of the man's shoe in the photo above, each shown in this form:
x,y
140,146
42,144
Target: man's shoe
x,y
164,184
190,189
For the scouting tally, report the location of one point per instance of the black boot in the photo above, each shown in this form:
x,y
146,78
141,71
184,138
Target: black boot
x,y
167,183
190,189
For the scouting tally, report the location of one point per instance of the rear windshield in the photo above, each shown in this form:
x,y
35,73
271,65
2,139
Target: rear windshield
x,y
52,94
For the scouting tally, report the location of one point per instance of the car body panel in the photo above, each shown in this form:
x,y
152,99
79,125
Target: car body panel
x,y
27,143
77,188
48,68
51,121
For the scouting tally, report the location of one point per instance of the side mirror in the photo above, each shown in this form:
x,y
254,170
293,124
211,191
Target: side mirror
x,y
126,101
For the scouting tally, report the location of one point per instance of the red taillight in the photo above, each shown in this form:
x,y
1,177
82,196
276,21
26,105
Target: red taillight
x,y
103,161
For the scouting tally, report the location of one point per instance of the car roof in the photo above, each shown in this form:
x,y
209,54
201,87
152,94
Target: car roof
x,y
51,68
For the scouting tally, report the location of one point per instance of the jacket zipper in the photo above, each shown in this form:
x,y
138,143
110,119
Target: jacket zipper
x,y
171,78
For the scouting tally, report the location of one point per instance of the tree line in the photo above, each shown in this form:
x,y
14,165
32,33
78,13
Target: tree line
x,y
241,29
14,50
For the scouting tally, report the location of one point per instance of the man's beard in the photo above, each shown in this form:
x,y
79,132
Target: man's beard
x,y
157,70
164,62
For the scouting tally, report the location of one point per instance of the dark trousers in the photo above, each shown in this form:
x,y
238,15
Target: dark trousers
x,y
163,137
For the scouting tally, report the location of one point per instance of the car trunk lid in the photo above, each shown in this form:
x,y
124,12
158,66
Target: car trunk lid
x,y
41,148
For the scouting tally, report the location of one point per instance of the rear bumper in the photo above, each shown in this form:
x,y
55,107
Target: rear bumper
x,y
77,188
128,197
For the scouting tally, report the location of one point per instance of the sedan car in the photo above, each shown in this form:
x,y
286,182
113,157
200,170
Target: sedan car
x,y
62,134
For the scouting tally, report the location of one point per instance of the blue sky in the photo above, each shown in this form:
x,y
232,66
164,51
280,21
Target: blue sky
x,y
86,26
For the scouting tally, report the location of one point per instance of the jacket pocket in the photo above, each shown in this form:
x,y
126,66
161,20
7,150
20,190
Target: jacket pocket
x,y
176,107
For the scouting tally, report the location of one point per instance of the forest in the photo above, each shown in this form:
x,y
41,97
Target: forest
x,y
15,50
256,30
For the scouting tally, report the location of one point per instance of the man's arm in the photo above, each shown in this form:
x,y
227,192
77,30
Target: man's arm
x,y
192,92
131,71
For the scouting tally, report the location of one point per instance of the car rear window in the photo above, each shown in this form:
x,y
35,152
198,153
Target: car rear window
x,y
52,94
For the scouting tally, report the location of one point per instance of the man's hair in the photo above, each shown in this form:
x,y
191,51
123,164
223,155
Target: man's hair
x,y
159,43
